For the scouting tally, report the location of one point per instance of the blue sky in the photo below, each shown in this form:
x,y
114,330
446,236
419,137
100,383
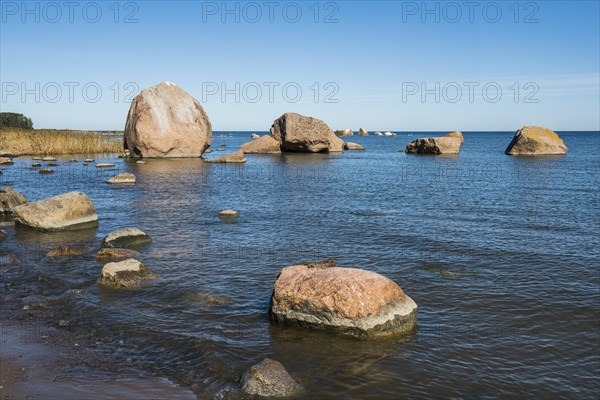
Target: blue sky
x,y
382,65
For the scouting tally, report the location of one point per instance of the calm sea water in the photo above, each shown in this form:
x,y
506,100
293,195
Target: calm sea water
x,y
500,253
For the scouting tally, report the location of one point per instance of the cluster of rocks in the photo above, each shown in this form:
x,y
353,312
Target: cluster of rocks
x,y
447,144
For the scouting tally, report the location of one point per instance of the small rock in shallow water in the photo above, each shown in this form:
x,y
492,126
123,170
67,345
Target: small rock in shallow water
x,y
66,250
52,164
237,157
269,378
36,158
48,159
6,161
89,160
126,237
228,214
140,162
353,146
36,165
125,274
110,253
104,165
124,178
46,171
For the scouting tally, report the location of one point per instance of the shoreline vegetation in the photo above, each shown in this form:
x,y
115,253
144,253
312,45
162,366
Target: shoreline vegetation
x,y
45,142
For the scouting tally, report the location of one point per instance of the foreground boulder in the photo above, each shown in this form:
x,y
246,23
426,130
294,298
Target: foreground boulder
x,y
344,300
436,145
535,140
298,133
363,132
73,210
345,132
125,274
263,145
9,199
456,134
353,146
336,145
165,121
233,158
269,378
126,237
110,253
124,178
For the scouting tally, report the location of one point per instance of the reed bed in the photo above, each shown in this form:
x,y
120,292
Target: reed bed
x,y
17,141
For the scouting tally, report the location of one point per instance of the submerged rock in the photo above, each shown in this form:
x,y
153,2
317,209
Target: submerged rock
x,y
237,157
126,237
46,171
435,145
165,121
73,210
344,300
124,178
3,235
269,378
535,140
298,133
67,250
125,274
9,199
111,253
353,146
228,214
262,145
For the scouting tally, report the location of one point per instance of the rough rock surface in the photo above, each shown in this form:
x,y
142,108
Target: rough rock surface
x,y
344,300
263,145
298,133
269,378
363,132
67,250
109,253
124,178
236,157
353,146
436,145
125,274
126,237
165,121
457,134
9,199
535,140
345,132
73,210
336,145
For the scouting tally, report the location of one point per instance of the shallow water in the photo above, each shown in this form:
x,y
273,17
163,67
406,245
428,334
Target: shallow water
x,y
500,253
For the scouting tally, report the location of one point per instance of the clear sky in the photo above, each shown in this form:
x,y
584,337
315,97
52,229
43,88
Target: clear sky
x,y
381,65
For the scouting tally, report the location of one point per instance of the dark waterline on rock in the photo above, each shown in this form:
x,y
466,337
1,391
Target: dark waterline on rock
x,y
500,253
